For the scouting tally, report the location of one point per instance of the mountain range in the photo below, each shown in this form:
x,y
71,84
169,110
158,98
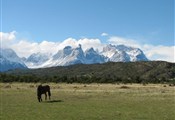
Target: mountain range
x,y
70,56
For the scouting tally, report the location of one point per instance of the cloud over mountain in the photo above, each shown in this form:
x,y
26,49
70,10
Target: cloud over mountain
x,y
7,38
25,48
153,52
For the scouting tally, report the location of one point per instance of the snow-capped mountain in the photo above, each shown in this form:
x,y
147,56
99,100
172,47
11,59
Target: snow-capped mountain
x,y
93,57
67,56
122,53
9,60
36,59
70,56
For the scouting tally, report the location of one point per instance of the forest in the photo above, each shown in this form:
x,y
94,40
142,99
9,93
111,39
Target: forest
x,y
130,72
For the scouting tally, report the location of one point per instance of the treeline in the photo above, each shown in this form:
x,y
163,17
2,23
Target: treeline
x,y
6,78
130,72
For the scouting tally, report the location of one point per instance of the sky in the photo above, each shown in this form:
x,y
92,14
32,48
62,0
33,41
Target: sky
x,y
40,25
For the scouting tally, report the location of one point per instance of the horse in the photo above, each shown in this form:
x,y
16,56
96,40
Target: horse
x,y
43,90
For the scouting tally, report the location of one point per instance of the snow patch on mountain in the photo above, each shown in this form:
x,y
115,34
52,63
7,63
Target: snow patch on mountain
x,y
75,55
36,60
93,56
9,60
122,53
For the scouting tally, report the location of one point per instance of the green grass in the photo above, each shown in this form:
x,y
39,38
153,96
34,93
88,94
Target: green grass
x,y
88,102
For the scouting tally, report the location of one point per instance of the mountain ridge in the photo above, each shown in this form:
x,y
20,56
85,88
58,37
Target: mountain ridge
x,y
110,53
71,55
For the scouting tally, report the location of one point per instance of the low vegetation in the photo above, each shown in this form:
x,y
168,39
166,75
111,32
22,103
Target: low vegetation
x,y
131,72
88,102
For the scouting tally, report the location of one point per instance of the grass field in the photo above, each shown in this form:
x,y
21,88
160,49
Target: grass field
x,y
88,102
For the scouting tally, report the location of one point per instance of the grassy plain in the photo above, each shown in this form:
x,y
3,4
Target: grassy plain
x,y
18,101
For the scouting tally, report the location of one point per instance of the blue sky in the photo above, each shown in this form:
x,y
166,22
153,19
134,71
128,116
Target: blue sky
x,y
30,26
147,21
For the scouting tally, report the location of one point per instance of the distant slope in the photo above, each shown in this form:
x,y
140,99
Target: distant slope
x,y
150,70
9,60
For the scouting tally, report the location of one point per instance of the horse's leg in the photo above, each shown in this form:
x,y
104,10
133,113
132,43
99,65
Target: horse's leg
x,y
49,93
49,96
41,98
45,96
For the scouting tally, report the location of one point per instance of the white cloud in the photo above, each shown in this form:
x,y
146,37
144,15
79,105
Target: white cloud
x,y
120,40
7,38
68,42
47,46
25,48
88,43
85,43
165,53
104,34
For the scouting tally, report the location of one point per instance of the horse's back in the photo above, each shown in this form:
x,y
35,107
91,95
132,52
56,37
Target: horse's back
x,y
43,89
46,87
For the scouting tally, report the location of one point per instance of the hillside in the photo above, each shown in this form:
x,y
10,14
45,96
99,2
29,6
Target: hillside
x,y
152,71
10,60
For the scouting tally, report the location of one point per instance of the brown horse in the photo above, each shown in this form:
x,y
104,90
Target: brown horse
x,y
43,90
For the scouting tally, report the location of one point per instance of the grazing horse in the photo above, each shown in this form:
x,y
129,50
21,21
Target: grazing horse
x,y
43,90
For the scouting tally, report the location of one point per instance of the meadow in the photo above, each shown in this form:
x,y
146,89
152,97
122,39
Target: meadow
x,y
18,101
